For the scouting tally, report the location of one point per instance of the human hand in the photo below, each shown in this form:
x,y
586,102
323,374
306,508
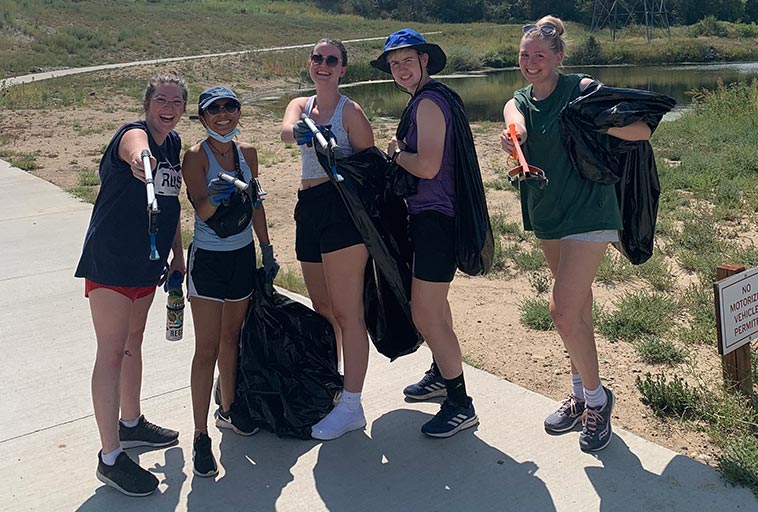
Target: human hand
x,y
138,169
302,134
218,191
394,145
507,143
270,265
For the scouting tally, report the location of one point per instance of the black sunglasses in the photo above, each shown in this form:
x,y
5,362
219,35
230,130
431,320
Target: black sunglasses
x,y
330,60
230,107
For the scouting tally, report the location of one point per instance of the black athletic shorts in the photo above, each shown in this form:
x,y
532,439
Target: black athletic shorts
x,y
323,223
220,275
433,238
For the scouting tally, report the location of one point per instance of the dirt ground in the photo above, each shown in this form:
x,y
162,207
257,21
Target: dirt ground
x,y
71,140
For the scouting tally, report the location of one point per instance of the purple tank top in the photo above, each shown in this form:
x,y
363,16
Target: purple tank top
x,y
438,193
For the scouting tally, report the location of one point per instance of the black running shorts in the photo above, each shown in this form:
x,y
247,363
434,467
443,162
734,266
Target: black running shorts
x,y
221,275
433,238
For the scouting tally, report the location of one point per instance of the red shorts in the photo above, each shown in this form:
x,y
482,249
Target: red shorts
x,y
130,292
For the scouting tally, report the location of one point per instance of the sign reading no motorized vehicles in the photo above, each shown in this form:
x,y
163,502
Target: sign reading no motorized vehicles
x,y
737,310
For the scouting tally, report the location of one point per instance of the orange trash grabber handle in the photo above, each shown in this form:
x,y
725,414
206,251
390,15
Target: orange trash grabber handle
x,y
523,171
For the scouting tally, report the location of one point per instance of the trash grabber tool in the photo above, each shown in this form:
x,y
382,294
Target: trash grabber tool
x,y
257,193
523,171
329,146
152,205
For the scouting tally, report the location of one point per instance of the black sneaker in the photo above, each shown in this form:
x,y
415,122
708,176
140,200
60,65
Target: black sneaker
x,y
126,476
145,433
596,426
451,419
431,385
236,419
203,461
566,416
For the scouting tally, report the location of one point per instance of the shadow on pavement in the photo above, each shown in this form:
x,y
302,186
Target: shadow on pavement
x,y
399,469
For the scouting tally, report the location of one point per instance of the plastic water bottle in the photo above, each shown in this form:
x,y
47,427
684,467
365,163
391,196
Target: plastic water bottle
x,y
175,308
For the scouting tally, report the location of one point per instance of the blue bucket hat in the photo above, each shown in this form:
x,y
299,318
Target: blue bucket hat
x,y
409,38
212,94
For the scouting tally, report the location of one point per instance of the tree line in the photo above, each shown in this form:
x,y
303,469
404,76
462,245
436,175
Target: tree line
x,y
680,12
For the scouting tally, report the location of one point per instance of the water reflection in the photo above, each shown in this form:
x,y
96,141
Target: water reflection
x,y
485,95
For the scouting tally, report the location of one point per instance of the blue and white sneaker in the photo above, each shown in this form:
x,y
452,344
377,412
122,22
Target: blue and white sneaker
x,y
596,426
451,419
431,385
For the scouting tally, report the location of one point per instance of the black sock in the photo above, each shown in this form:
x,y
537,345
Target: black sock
x,y
456,391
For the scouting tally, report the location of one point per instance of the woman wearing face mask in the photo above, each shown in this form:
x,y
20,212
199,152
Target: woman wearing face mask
x,y
221,270
329,247
120,277
427,151
573,218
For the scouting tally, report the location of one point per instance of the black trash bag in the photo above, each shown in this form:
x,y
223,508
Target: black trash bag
x,y
287,371
382,221
604,159
474,244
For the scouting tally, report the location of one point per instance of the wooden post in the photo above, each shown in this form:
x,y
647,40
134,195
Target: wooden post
x,y
736,364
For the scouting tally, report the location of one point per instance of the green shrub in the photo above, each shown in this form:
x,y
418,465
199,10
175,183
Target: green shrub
x,y
668,398
739,462
637,314
535,314
655,350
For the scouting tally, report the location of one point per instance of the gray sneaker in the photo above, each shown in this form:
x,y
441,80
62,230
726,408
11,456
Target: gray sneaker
x,y
565,418
596,426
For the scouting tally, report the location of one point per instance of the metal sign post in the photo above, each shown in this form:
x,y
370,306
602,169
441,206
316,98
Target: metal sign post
x,y
736,299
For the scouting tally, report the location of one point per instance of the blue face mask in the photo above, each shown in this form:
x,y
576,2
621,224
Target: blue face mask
x,y
223,138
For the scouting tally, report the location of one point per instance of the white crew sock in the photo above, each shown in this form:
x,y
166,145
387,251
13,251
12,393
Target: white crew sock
x,y
351,400
596,398
577,389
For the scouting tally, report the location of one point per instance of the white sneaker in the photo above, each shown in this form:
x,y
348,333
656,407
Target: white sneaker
x,y
338,422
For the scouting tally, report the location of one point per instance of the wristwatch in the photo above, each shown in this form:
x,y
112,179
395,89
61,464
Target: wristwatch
x,y
395,154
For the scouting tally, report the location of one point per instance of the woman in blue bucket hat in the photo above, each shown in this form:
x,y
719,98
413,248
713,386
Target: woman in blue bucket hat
x,y
425,146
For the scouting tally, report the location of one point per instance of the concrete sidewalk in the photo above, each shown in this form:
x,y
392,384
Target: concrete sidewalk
x,y
49,440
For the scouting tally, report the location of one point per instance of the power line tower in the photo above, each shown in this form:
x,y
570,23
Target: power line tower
x,y
616,14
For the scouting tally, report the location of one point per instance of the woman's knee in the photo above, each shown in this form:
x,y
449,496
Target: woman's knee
x,y
206,353
567,320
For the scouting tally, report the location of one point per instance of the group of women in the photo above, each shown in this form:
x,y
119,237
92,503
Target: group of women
x,y
574,220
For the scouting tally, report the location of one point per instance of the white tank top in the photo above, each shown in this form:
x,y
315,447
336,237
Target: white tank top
x,y
311,167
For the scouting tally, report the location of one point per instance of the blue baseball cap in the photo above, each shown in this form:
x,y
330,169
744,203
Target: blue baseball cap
x,y
212,94
409,38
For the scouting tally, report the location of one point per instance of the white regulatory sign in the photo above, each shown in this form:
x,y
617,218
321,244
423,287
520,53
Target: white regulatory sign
x,y
737,310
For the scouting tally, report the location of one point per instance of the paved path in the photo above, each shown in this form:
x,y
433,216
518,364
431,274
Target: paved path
x,y
49,441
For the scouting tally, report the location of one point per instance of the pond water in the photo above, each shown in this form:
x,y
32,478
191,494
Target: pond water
x,y
485,94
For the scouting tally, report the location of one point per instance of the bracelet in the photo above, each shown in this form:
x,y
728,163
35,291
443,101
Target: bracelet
x,y
395,155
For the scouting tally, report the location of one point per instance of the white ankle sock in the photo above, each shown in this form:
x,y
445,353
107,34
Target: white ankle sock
x,y
577,389
109,458
130,423
351,400
596,398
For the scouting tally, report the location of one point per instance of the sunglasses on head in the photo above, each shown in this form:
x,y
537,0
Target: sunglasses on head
x,y
545,30
330,60
230,107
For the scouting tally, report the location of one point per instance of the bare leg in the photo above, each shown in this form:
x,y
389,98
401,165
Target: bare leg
x,y
112,314
344,270
318,292
571,301
207,321
432,317
131,366
231,321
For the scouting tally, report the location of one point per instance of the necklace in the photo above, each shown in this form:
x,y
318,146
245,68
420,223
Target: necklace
x,y
218,151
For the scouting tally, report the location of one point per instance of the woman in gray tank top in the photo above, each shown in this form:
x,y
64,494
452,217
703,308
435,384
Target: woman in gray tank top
x,y
330,249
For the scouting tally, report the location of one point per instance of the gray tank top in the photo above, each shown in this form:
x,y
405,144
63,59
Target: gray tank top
x,y
311,167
